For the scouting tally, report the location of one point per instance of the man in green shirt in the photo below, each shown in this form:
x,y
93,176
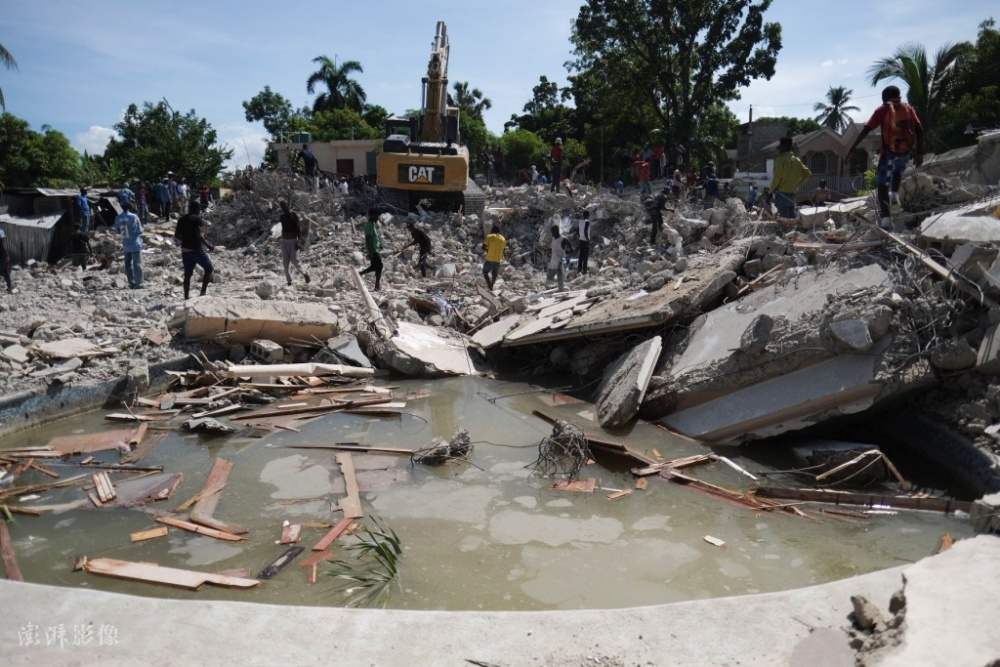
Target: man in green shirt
x,y
790,174
373,247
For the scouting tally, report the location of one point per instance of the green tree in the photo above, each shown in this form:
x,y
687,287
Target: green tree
x,y
341,124
470,101
157,139
376,116
977,91
7,60
342,92
833,112
33,159
676,58
271,109
523,148
930,84
796,126
546,114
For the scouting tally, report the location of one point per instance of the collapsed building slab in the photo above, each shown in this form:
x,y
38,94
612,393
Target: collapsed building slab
x,y
975,223
624,386
241,321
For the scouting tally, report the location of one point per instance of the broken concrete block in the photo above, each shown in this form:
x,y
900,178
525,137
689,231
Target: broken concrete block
x,y
953,355
624,385
866,615
67,349
346,348
852,335
811,217
265,290
267,351
244,320
16,353
754,340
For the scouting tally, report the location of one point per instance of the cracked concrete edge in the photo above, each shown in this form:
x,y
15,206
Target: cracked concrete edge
x,y
28,409
752,630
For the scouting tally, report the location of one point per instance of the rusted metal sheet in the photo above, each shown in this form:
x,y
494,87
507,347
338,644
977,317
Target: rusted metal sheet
x,y
30,237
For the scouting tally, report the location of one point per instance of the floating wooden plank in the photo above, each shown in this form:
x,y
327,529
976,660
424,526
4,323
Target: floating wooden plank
x,y
105,490
334,533
316,558
169,576
579,486
291,533
45,471
618,494
204,508
283,560
893,501
351,504
8,554
641,483
141,491
683,462
201,530
352,447
139,435
715,541
143,450
94,499
150,534
91,442
11,491
243,572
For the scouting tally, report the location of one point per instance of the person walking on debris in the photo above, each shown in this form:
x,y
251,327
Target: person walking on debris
x,y
291,241
820,195
80,244
423,242
142,202
81,200
711,186
752,196
311,165
557,253
5,262
373,247
643,170
125,196
901,133
556,155
678,184
162,192
190,232
130,227
584,235
789,175
494,245
655,207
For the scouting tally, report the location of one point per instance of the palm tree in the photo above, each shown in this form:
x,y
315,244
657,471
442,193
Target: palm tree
x,y
472,101
928,84
834,115
343,92
7,61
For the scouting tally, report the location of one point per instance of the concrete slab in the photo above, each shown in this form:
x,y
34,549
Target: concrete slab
x,y
346,347
441,353
67,348
494,334
624,386
721,332
16,353
784,403
968,224
283,322
988,359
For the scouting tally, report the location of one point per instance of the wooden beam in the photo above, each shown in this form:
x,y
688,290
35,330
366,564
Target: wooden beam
x,y
204,508
351,504
865,499
201,530
333,534
149,534
9,556
169,576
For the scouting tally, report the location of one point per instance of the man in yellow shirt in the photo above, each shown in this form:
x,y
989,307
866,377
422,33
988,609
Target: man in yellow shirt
x,y
494,245
790,174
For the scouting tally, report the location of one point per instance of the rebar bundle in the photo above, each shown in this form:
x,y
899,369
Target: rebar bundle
x,y
441,451
564,452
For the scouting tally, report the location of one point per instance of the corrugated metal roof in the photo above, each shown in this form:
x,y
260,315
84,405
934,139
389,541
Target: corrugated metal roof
x,y
58,192
36,221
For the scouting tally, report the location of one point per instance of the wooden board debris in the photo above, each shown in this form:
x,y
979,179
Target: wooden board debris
x,y
105,490
351,504
201,530
580,485
715,541
618,494
317,557
148,572
141,491
9,556
91,442
883,500
204,508
291,533
143,450
150,534
333,534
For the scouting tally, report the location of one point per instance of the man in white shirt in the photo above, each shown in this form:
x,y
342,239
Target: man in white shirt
x,y
584,235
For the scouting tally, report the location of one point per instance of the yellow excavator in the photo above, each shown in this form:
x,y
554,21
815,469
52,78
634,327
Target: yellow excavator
x,y
423,160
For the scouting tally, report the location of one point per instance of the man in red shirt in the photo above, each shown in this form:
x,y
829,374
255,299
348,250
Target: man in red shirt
x,y
644,186
556,156
901,132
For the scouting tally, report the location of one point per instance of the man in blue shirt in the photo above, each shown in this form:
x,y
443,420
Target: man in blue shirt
x,y
84,210
125,196
129,225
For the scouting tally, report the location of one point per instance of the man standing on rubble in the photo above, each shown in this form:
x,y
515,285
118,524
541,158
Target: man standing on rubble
x,y
584,234
901,132
789,175
655,207
190,232
81,200
130,227
291,241
423,242
557,251
556,155
373,247
494,245
311,165
5,262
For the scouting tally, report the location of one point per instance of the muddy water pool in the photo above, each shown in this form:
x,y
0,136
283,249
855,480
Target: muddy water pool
x,y
486,536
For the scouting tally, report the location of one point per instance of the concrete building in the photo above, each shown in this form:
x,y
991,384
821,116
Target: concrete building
x,y
345,157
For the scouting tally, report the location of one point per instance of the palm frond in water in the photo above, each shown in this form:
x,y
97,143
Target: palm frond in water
x,y
374,570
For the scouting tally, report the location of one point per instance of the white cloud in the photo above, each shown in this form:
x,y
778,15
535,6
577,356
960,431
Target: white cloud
x,y
246,141
94,140
826,63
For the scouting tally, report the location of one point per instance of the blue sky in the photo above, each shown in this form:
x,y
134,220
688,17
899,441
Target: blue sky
x,y
81,63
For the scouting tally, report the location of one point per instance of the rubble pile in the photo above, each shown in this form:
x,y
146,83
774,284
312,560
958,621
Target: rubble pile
x,y
788,294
